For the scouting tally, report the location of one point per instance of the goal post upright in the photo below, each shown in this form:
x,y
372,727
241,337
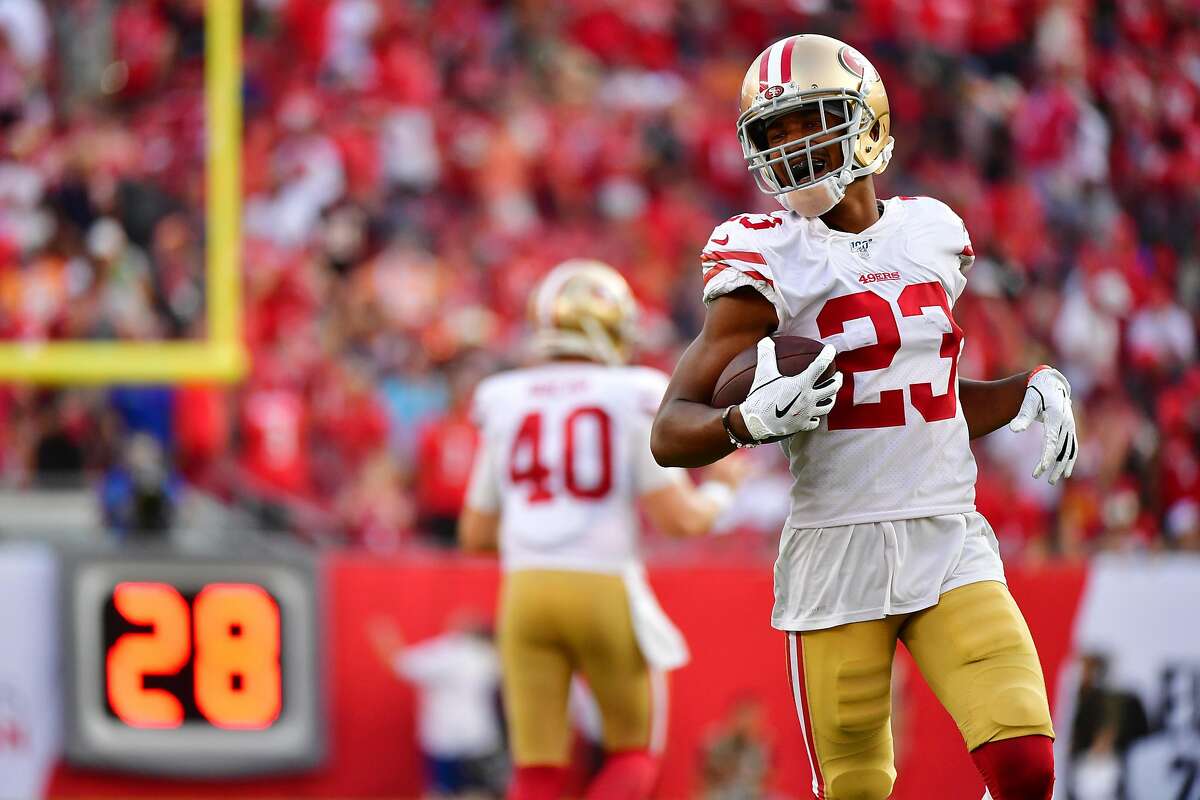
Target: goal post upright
x,y
220,356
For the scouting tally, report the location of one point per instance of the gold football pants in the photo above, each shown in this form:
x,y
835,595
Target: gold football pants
x,y
974,650
557,622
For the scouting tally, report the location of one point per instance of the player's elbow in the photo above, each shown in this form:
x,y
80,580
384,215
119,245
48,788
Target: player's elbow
x,y
469,544
687,526
664,446
474,545
660,451
477,531
670,451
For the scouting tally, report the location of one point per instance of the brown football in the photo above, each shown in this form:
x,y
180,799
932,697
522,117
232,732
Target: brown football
x,y
793,354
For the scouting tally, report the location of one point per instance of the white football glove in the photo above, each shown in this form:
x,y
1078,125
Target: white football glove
x,y
1048,400
780,405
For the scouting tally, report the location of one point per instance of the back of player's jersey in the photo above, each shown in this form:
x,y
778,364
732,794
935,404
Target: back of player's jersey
x,y
568,451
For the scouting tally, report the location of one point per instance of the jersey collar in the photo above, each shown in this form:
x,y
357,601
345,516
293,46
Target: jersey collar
x,y
890,212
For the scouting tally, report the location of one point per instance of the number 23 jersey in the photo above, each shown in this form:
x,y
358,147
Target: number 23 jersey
x,y
565,454
895,446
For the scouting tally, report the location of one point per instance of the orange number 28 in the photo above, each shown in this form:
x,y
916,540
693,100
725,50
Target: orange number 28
x,y
236,668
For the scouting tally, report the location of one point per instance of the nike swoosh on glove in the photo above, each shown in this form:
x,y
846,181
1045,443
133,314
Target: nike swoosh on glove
x,y
781,405
1048,400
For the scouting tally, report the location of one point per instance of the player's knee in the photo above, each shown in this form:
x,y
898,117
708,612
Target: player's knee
x,y
1020,705
861,783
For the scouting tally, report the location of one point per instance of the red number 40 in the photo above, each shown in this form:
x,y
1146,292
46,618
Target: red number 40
x,y
526,462
888,411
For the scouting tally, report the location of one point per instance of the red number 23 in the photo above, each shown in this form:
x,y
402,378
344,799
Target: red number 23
x,y
888,411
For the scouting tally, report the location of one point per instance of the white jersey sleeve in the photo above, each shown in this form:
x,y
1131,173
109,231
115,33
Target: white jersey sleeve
x,y
484,399
648,474
943,233
483,490
735,256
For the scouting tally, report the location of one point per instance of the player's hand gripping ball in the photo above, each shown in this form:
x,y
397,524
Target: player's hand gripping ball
x,y
1048,400
793,384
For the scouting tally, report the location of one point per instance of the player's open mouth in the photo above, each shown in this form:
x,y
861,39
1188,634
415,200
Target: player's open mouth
x,y
800,167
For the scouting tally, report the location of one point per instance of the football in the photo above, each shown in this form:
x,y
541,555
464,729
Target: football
x,y
793,354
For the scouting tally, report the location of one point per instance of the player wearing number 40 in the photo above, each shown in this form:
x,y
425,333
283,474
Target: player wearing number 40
x,y
883,542
564,462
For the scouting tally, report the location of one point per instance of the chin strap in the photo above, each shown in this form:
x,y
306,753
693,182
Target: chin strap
x,y
811,200
815,200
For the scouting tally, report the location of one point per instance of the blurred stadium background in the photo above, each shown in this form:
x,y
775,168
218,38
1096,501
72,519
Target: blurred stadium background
x,y
408,170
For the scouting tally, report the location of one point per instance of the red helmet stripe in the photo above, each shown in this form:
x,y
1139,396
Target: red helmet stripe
x,y
785,63
764,59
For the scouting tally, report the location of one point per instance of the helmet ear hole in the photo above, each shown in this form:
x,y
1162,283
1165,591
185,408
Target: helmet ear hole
x,y
876,131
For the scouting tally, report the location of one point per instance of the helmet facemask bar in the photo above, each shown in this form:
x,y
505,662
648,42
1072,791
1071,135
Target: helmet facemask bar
x,y
761,160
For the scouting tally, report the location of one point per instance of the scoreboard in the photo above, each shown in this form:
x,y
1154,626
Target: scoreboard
x,y
187,666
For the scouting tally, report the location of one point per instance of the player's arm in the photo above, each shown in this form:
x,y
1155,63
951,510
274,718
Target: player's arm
x,y
479,523
478,531
990,405
387,641
1042,394
687,430
684,509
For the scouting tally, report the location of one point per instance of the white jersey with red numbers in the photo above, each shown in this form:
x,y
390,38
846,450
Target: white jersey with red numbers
x,y
895,446
565,454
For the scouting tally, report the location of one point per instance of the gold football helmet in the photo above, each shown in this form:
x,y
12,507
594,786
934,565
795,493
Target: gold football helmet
x,y
833,79
584,308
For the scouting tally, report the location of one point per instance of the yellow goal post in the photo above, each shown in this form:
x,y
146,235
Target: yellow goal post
x,y
221,356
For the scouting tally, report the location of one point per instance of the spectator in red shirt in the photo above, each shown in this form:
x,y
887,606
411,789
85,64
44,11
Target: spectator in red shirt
x,y
445,451
411,166
274,427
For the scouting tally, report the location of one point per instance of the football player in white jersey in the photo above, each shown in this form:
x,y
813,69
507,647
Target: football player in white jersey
x,y
883,543
564,465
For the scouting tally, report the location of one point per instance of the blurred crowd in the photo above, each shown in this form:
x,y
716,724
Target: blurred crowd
x,y
412,168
